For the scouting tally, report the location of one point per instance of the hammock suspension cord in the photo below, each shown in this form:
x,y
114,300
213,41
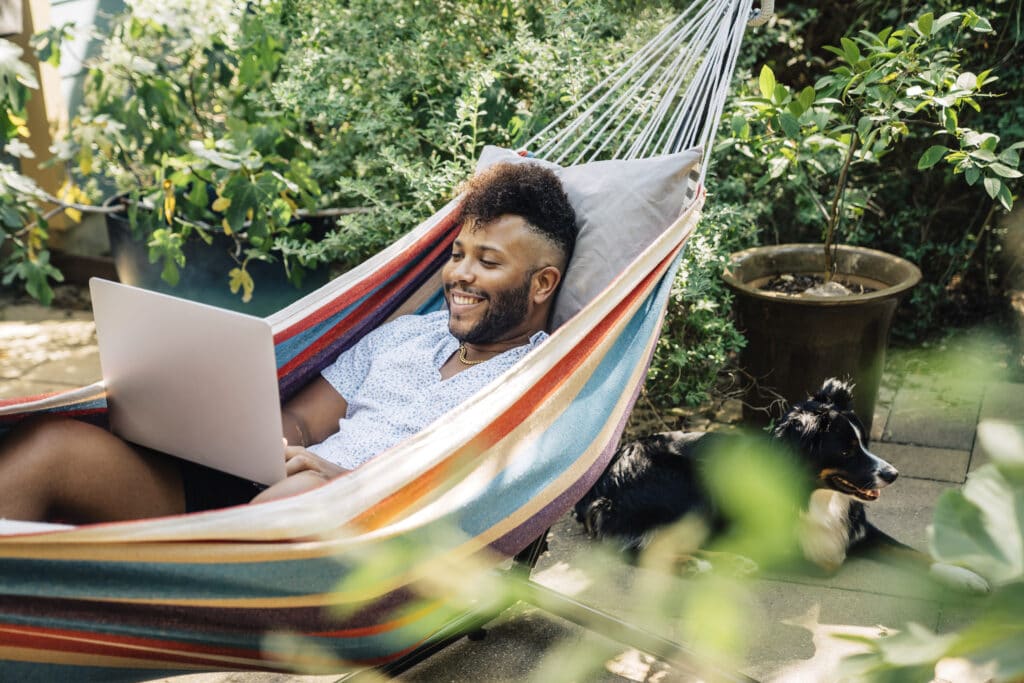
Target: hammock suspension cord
x,y
665,98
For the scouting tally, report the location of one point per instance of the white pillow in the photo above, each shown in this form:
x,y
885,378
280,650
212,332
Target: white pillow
x,y
621,207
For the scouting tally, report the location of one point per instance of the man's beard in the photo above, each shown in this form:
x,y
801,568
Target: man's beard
x,y
506,310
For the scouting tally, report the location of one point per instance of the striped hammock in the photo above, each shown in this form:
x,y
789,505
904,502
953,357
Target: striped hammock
x,y
351,574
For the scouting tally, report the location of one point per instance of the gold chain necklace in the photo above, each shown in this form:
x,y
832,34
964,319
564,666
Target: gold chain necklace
x,y
466,361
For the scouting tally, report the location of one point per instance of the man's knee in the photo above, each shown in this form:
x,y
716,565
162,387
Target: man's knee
x,y
44,437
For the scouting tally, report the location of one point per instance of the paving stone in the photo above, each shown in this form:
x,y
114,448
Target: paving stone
x,y
942,464
926,415
246,677
798,643
528,644
1003,401
75,368
26,345
1005,437
904,510
38,313
878,424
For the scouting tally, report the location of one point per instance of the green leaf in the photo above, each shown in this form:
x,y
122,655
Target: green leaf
x,y
1002,442
971,175
924,23
864,127
170,272
790,125
945,20
980,24
983,155
967,81
740,127
1005,197
766,82
992,186
931,156
781,94
850,50
951,121
806,97
223,160
981,527
1004,171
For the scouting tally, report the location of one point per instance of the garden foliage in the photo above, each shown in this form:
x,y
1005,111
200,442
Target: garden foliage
x,y
276,109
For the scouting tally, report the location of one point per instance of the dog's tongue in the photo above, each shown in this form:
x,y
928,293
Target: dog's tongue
x,y
870,495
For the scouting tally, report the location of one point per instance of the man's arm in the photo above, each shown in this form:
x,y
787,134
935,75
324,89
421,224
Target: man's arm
x,y
312,414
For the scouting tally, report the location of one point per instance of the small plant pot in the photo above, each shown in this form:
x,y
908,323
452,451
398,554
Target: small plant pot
x,y
204,277
795,343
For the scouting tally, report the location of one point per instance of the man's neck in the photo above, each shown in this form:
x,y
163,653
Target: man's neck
x,y
477,352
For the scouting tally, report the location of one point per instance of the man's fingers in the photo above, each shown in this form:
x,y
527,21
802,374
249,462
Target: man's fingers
x,y
299,462
293,451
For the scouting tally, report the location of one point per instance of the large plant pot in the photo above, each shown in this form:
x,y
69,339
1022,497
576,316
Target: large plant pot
x,y
795,343
204,277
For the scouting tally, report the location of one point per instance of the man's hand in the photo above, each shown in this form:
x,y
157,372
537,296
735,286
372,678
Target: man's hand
x,y
298,459
306,471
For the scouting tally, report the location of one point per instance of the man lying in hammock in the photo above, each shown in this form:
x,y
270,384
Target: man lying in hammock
x,y
505,267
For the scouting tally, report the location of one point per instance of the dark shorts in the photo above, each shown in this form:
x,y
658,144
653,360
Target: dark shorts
x,y
209,489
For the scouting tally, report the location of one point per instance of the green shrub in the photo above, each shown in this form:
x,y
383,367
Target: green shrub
x,y
401,108
698,335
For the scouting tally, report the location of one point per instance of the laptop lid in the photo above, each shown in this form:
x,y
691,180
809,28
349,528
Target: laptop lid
x,y
191,380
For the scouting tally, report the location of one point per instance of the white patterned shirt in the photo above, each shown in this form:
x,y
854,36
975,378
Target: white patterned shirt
x,y
391,381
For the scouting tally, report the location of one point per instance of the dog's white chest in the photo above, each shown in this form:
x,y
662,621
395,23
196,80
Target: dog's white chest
x,y
825,529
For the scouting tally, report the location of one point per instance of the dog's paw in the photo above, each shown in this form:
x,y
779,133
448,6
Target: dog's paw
x,y
718,562
741,566
963,580
692,566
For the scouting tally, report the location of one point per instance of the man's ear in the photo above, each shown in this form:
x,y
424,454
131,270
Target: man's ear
x,y
545,283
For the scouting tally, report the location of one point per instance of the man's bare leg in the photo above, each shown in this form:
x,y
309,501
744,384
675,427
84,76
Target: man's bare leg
x,y
62,469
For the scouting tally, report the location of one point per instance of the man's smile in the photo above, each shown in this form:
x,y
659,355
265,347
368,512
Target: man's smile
x,y
463,298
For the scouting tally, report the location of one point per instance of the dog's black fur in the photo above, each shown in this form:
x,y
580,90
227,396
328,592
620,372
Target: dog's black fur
x,y
657,480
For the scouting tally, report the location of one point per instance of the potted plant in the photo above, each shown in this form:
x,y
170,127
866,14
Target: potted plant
x,y
173,122
821,138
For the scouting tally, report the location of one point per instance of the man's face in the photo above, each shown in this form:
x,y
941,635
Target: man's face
x,y
488,281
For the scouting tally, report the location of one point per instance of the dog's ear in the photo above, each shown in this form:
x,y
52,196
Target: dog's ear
x,y
798,424
836,392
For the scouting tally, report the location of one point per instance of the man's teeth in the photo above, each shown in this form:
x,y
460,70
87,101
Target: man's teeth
x,y
463,300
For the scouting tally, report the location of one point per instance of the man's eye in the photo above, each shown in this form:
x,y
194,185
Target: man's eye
x,y
456,256
488,264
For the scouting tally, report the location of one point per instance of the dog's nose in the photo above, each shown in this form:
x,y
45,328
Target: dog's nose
x,y
888,474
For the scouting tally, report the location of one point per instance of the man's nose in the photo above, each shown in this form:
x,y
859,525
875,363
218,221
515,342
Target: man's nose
x,y
462,271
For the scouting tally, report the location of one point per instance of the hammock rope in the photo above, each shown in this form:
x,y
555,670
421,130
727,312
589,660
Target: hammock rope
x,y
667,97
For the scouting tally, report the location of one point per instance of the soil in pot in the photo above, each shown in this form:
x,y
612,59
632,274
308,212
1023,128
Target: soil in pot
x,y
795,284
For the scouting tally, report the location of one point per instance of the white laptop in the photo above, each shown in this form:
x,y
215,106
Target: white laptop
x,y
192,380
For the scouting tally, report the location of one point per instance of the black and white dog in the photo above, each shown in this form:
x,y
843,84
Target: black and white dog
x,y
656,480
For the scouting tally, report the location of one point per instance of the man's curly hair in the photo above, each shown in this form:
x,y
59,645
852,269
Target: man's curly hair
x,y
527,190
